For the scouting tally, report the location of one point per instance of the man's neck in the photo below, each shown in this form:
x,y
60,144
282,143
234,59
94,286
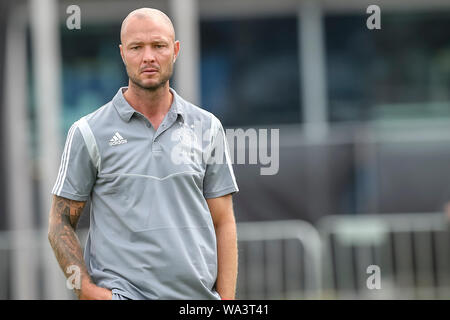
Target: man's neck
x,y
153,104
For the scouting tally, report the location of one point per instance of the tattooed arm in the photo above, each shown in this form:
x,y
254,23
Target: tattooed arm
x,y
64,215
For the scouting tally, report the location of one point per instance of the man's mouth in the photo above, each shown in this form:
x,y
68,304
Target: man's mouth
x,y
149,71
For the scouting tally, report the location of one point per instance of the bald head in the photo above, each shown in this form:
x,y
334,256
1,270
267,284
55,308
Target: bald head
x,y
148,49
153,15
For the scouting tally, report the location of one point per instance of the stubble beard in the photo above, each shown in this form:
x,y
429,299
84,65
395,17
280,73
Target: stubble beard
x,y
151,87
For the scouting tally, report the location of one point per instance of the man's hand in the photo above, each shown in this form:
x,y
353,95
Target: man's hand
x,y
90,291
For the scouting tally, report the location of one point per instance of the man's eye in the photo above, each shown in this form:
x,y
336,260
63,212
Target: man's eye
x,y
159,46
135,47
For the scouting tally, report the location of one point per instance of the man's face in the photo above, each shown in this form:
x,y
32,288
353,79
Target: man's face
x,y
149,51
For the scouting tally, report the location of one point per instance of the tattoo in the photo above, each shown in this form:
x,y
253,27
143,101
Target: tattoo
x,y
64,216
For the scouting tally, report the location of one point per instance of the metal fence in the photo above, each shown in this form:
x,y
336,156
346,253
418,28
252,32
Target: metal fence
x,y
24,255
410,250
293,259
279,260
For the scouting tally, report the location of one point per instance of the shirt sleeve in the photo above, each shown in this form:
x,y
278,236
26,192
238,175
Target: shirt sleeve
x,y
77,172
219,177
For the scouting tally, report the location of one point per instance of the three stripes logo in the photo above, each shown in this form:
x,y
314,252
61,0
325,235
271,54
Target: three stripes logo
x,y
117,139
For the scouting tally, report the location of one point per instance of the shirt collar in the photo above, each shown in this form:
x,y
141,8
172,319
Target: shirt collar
x,y
126,111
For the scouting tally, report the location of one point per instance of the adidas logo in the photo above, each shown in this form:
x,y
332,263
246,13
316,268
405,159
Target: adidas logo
x,y
117,139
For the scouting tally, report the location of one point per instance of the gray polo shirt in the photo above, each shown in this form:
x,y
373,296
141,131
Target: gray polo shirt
x,y
151,233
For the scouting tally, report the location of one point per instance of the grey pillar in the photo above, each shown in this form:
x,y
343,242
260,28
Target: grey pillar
x,y
312,69
185,17
47,73
314,101
23,261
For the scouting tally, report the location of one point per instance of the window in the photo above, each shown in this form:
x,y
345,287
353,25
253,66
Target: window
x,y
250,72
399,72
93,70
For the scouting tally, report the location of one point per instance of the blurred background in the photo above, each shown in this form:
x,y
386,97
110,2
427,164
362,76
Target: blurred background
x,y
364,120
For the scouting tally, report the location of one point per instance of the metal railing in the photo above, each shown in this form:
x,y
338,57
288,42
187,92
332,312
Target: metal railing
x,y
292,259
410,250
33,247
279,260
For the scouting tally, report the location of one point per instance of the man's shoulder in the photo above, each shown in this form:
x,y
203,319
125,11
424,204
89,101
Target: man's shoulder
x,y
101,113
99,118
197,113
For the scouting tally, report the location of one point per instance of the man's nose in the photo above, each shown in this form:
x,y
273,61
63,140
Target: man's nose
x,y
148,55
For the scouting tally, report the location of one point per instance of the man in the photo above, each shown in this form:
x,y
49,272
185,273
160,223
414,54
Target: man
x,y
161,223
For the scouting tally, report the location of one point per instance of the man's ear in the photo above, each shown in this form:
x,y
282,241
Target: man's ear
x,y
121,54
176,50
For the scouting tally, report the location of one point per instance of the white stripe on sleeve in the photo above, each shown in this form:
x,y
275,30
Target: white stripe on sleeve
x,y
228,158
64,160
